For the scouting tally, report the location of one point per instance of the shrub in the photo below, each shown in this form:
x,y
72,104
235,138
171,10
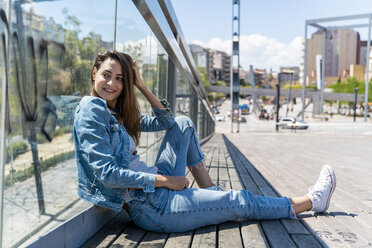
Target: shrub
x,y
16,149
21,175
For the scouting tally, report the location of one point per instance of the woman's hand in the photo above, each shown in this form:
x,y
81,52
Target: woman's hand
x,y
137,79
171,182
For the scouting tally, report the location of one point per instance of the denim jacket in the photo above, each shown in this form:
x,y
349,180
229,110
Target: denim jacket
x,y
102,154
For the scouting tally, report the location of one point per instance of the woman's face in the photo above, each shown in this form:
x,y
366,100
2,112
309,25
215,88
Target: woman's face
x,y
108,81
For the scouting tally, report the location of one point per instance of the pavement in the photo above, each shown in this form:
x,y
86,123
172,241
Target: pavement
x,y
291,161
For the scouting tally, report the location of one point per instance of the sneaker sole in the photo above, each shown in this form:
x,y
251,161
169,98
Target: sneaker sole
x,y
333,180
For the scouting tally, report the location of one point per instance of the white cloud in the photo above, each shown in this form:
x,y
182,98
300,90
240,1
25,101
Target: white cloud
x,y
261,51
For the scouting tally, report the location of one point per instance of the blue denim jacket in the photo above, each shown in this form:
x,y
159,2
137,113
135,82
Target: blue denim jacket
x,y
102,154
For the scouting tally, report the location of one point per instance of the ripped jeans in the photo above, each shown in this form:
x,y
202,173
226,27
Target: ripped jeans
x,y
168,210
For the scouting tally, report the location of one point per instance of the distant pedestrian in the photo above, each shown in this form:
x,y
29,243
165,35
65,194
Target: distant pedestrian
x,y
107,129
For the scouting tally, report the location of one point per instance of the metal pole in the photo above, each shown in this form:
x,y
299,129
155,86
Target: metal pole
x,y
231,71
3,118
289,93
115,23
251,76
304,76
277,103
322,73
238,63
367,70
355,101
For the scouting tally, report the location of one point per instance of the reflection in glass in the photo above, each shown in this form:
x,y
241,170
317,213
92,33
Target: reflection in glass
x,y
135,38
52,51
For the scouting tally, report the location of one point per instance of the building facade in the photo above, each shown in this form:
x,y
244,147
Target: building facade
x,y
342,50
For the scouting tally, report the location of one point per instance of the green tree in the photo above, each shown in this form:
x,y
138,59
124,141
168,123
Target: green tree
x,y
350,84
204,76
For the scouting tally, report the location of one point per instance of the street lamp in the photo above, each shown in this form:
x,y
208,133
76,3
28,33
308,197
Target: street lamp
x,y
277,102
355,101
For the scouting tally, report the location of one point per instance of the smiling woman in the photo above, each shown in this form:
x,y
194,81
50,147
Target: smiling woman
x,y
108,81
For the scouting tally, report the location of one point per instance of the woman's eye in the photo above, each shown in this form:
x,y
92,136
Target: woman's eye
x,y
120,79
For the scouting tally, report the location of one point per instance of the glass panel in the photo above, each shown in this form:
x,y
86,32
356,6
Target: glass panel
x,y
184,93
135,38
52,52
2,53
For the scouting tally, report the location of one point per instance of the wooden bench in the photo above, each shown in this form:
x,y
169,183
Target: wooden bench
x,y
228,168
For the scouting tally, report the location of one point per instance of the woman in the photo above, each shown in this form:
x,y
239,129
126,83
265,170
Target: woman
x,y
107,128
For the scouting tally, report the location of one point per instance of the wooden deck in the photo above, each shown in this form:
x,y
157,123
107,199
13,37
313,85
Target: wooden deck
x,y
229,168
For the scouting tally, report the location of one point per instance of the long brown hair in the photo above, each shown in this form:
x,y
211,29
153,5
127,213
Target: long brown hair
x,y
127,105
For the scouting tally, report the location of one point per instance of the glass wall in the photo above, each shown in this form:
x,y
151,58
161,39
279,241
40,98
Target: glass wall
x,y
52,48
53,44
135,38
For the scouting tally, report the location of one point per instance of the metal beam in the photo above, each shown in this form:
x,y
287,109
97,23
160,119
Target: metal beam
x,y
322,82
347,97
304,75
367,69
315,25
339,18
347,26
154,15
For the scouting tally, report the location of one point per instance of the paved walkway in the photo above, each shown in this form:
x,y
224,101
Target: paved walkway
x,y
291,163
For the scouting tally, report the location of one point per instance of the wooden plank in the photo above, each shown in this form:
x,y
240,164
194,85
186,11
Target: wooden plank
x,y
246,179
204,237
179,240
294,226
131,236
252,234
109,232
261,183
223,173
305,240
276,234
153,240
213,169
229,235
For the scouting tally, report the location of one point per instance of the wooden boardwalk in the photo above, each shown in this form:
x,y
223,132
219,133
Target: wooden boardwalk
x,y
229,168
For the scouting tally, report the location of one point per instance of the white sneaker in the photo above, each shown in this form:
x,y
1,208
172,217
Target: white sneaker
x,y
321,192
215,188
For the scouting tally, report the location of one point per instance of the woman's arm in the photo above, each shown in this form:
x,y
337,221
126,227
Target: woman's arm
x,y
151,98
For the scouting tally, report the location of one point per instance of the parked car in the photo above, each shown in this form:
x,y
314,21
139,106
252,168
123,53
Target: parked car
x,y
300,125
220,117
291,122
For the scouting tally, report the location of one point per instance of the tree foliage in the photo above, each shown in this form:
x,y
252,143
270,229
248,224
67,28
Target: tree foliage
x,y
350,85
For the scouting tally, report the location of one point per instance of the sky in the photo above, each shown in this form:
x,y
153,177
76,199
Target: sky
x,y
271,31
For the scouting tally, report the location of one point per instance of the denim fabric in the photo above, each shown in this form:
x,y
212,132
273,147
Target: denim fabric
x,y
102,154
178,211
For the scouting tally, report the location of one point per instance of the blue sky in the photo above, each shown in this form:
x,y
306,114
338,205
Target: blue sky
x,y
272,31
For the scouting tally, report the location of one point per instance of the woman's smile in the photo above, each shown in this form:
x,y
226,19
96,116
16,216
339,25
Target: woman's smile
x,y
108,81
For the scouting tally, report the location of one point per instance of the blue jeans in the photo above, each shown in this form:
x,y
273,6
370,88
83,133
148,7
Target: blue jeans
x,y
178,211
